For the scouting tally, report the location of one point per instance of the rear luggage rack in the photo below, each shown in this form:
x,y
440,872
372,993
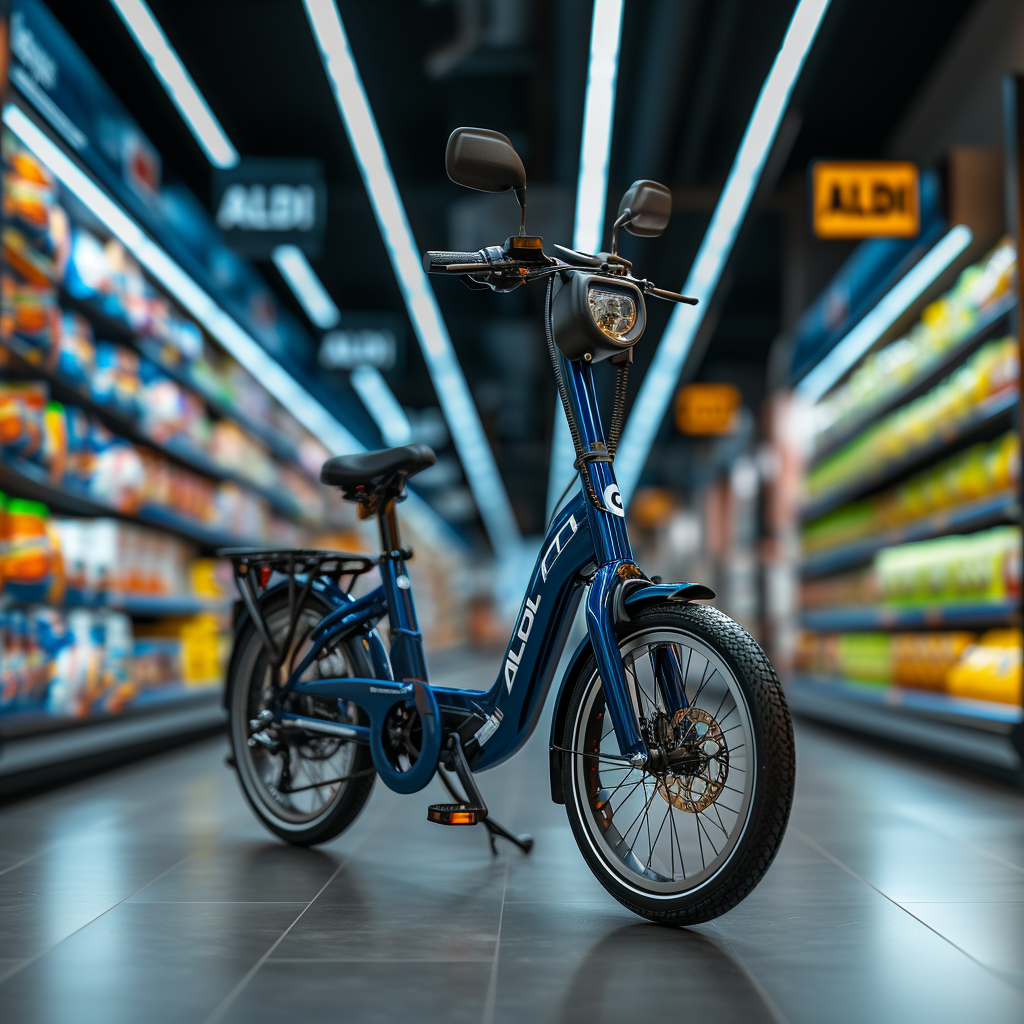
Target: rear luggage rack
x,y
254,567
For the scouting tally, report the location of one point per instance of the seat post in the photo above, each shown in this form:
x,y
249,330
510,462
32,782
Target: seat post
x,y
407,659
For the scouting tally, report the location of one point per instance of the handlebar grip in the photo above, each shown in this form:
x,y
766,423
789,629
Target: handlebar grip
x,y
435,262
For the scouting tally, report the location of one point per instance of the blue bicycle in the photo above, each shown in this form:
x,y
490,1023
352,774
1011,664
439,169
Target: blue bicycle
x,y
671,744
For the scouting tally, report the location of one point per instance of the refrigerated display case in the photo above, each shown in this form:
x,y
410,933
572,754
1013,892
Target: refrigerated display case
x,y
909,532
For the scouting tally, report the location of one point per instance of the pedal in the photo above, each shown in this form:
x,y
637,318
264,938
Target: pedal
x,y
456,814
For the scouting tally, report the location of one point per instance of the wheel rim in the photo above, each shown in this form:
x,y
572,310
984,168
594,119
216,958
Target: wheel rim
x,y
669,832
294,786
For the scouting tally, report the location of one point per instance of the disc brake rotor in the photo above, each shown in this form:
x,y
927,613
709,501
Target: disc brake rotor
x,y
696,791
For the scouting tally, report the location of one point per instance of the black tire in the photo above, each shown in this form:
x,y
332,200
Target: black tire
x,y
736,667
330,810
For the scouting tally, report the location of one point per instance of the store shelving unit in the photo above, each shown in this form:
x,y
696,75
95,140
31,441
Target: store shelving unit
x,y
940,616
970,730
980,732
73,394
987,419
975,515
38,740
991,324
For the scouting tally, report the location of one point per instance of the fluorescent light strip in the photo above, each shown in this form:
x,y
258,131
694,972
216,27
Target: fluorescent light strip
x,y
382,405
591,190
177,81
598,114
896,302
449,382
663,376
291,261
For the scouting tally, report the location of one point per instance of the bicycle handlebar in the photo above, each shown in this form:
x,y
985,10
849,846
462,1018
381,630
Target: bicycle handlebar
x,y
471,263
437,262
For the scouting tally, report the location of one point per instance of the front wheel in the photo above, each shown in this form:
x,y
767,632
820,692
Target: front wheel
x,y
687,837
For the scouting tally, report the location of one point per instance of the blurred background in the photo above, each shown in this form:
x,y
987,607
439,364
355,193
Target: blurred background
x,y
212,220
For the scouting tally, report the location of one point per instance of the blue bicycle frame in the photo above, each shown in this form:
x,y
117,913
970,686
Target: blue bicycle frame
x,y
585,544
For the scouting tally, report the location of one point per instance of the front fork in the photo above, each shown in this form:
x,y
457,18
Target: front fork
x,y
622,703
600,612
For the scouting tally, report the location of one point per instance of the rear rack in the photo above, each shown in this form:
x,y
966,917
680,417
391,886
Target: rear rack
x,y
299,561
253,568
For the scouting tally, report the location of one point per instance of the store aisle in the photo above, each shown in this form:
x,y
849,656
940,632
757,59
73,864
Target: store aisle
x,y
150,893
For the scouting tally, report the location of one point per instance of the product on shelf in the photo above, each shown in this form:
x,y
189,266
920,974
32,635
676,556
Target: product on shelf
x,y
991,669
958,663
943,324
984,470
85,662
976,568
923,660
992,370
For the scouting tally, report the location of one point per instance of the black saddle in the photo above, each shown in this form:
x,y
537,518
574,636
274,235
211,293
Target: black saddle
x,y
372,470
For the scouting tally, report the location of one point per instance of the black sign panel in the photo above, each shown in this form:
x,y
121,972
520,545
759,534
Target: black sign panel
x,y
261,203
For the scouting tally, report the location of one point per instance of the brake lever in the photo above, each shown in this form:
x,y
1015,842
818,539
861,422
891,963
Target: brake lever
x,y
661,293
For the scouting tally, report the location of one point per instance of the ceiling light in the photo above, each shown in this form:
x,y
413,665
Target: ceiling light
x,y
896,302
308,288
591,190
177,81
663,376
382,405
421,303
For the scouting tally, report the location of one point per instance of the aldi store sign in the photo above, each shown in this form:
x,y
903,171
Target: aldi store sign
x,y
262,203
865,199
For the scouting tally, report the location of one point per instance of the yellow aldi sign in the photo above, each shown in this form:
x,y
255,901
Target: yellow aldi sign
x,y
865,199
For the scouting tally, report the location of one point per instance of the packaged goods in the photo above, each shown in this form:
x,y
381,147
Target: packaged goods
x,y
923,660
976,568
992,370
115,378
979,567
76,359
991,669
943,324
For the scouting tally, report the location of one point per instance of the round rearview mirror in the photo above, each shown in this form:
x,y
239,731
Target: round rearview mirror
x,y
649,205
485,160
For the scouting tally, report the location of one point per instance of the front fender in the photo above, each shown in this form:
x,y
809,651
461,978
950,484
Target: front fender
x,y
639,595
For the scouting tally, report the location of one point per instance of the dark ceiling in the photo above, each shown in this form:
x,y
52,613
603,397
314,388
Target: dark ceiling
x,y
690,71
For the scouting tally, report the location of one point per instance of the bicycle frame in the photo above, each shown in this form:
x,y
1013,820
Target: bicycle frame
x,y
584,545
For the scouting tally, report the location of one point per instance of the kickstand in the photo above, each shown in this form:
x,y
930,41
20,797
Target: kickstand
x,y
524,840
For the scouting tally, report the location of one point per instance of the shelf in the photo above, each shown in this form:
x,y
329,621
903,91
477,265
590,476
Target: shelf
x,y
118,329
975,731
27,480
70,393
950,616
991,511
991,324
144,605
990,417
44,752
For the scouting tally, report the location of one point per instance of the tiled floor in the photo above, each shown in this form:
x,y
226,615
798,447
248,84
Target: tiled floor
x,y
151,894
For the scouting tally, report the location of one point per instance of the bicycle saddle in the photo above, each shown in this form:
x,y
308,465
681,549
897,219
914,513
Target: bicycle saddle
x,y
368,468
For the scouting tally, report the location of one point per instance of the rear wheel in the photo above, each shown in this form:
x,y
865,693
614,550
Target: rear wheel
x,y
688,836
305,788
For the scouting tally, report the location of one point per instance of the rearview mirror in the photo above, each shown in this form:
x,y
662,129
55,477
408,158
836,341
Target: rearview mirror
x,y
485,160
645,209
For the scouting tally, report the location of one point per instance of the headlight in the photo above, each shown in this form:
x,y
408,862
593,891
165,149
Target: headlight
x,y
614,312
596,316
